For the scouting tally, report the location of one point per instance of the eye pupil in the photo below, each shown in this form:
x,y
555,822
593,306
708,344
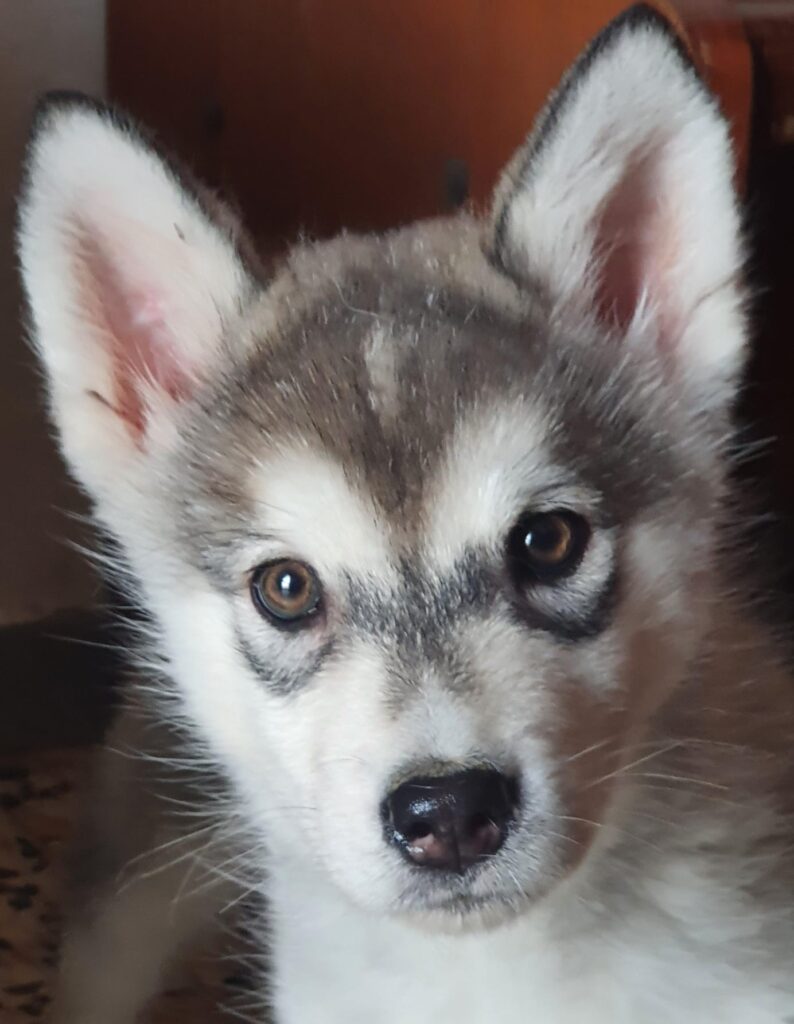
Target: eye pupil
x,y
286,592
545,546
548,537
289,585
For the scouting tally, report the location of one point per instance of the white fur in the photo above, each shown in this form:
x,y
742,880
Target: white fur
x,y
560,966
503,450
304,498
382,365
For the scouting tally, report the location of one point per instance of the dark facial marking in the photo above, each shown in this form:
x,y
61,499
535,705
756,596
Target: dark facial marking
x,y
417,622
285,677
418,617
585,624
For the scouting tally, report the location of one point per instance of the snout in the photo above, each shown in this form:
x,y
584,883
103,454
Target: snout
x,y
451,822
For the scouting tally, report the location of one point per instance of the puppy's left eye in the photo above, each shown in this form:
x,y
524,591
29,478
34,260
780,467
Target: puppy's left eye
x,y
287,592
544,546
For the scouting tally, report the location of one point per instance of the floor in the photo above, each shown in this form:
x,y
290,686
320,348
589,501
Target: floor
x,y
38,796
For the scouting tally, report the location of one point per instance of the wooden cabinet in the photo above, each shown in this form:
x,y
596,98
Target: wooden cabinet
x,y
322,114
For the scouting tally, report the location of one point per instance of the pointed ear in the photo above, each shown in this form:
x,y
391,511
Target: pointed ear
x,y
620,208
131,284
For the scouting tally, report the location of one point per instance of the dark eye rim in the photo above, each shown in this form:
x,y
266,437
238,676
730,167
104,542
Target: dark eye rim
x,y
526,573
277,618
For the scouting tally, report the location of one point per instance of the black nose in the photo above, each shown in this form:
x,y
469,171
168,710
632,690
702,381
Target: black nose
x,y
452,821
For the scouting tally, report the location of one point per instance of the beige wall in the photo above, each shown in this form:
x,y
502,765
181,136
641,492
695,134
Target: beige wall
x,y
44,44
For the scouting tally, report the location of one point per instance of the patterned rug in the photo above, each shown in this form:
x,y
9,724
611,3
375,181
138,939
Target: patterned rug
x,y
38,796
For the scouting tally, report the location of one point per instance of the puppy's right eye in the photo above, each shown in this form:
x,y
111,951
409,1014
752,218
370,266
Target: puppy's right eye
x,y
544,546
286,592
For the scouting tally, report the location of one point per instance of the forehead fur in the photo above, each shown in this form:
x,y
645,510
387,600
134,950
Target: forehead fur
x,y
393,356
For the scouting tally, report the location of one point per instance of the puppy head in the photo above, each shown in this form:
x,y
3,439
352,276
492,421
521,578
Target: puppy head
x,y
427,521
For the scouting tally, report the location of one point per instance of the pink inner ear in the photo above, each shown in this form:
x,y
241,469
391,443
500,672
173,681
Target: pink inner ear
x,y
131,314
636,239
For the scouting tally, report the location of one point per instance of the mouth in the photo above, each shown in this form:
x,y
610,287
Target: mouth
x,y
492,890
455,911
480,892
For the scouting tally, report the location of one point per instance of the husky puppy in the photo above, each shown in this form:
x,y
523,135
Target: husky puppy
x,y
433,532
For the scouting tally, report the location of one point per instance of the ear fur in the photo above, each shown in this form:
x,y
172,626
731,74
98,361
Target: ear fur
x,y
620,211
131,281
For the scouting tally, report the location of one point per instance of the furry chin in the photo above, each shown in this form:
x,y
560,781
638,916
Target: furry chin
x,y
462,912
468,915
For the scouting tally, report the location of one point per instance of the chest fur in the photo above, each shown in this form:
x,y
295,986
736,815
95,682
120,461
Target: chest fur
x,y
660,961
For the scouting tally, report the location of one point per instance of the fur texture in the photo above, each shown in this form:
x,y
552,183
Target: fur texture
x,y
384,409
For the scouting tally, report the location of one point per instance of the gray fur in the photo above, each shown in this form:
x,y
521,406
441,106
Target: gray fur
x,y
462,341
457,349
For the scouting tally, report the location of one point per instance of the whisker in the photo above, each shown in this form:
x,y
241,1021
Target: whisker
x,y
609,826
684,779
589,750
623,769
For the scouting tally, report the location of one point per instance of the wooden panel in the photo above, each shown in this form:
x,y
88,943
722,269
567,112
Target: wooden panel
x,y
718,42
163,67
347,114
318,114
772,33
344,114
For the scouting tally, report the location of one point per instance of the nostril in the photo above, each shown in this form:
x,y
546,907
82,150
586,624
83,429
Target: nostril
x,y
479,823
482,836
451,822
419,830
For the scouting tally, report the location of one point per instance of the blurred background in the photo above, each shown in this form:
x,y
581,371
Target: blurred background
x,y
314,115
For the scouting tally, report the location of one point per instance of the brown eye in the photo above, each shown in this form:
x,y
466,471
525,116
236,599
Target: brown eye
x,y
286,591
545,546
